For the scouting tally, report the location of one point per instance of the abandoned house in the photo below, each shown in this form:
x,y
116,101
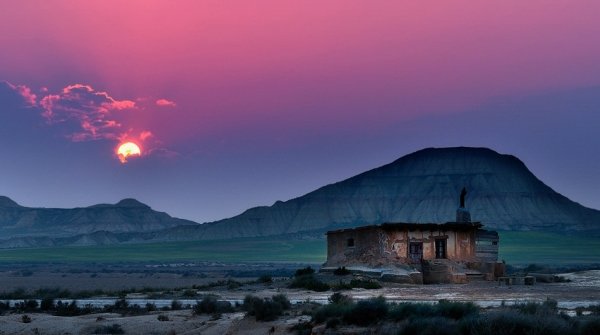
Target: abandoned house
x,y
451,252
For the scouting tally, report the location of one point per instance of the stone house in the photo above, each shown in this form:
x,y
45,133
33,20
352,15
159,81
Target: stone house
x,y
418,252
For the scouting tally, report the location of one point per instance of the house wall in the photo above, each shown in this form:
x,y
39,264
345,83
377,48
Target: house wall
x,y
460,245
377,246
367,249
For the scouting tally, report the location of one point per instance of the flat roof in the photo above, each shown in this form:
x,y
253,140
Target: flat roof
x,y
415,226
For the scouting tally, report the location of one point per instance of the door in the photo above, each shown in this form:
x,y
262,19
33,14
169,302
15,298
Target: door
x,y
440,248
415,252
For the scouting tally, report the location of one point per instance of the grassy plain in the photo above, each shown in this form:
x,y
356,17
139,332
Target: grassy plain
x,y
515,248
549,248
239,250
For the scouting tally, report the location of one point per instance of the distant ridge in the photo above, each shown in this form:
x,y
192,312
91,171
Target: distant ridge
x,y
420,187
128,215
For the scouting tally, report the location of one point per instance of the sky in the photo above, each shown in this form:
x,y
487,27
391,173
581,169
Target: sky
x,y
236,104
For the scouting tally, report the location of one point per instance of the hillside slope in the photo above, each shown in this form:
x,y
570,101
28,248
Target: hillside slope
x,y
421,187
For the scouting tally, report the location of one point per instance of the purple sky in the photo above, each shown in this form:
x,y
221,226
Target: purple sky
x,y
237,104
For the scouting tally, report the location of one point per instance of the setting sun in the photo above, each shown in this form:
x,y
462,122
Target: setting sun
x,y
128,149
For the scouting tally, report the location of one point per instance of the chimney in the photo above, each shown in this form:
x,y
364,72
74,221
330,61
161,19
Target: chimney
x,y
462,214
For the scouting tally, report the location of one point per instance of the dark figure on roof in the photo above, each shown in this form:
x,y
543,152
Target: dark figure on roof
x,y
463,193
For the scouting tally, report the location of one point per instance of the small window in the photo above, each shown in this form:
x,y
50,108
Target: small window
x,y
440,248
495,243
350,242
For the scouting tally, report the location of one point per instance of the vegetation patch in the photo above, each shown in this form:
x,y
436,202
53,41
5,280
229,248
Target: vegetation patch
x,y
341,271
266,309
210,305
452,318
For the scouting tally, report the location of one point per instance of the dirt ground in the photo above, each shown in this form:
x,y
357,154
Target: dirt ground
x,y
582,290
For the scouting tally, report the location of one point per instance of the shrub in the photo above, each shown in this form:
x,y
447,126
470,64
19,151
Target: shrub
x,y
121,305
265,279
548,307
341,286
162,317
150,307
340,299
456,310
4,306
403,311
233,284
282,300
67,309
342,271
176,305
113,329
25,319
333,323
26,306
590,327
47,304
189,293
511,322
266,309
304,271
444,308
330,311
366,312
430,326
595,309
210,305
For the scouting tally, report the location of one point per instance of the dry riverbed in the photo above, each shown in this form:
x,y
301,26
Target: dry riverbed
x,y
582,290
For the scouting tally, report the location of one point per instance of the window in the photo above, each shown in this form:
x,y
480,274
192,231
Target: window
x,y
350,242
440,248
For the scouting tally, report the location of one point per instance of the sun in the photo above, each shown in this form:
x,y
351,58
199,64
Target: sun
x,y
128,149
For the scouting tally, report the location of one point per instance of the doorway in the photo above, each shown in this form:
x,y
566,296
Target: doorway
x,y
440,248
415,252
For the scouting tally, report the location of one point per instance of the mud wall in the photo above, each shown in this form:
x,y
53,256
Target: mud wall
x,y
355,247
376,246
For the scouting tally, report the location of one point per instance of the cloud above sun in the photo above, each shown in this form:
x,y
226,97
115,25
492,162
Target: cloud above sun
x,y
83,113
96,112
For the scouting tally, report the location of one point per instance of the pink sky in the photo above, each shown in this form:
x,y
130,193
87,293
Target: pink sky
x,y
285,73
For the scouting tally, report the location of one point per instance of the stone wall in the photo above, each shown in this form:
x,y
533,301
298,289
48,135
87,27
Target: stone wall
x,y
375,245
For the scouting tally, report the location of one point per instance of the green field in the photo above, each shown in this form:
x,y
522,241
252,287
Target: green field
x,y
549,248
515,248
239,250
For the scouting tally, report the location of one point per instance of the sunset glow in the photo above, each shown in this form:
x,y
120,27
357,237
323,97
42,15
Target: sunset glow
x,y
128,149
286,96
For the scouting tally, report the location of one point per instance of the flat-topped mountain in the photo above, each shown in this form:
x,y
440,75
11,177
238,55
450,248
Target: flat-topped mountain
x,y
128,215
421,187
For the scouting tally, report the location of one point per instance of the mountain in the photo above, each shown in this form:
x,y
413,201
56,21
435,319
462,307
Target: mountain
x,y
128,215
421,187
